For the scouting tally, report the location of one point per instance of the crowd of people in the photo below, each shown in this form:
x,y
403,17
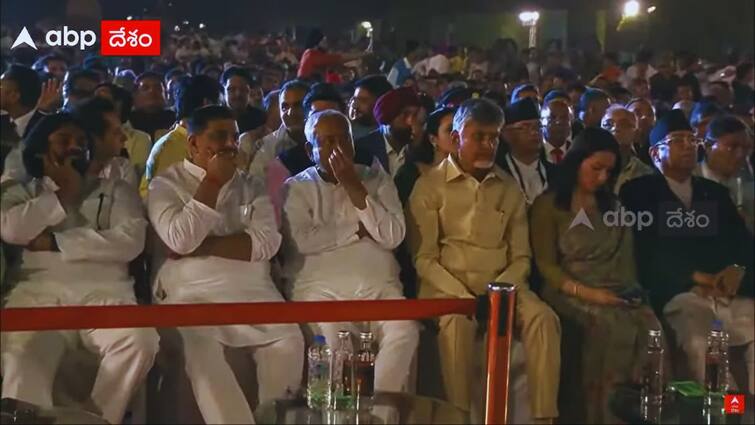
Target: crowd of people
x,y
245,170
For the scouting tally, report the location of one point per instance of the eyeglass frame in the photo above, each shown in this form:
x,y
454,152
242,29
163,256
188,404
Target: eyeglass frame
x,y
713,142
695,141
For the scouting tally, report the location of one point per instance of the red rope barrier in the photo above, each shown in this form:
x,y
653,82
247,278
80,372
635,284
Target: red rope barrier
x,y
175,315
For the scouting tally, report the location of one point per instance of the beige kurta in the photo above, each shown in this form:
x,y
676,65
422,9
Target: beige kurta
x,y
465,234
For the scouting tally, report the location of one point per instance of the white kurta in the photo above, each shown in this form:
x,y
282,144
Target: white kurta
x,y
96,241
270,147
183,224
323,252
326,260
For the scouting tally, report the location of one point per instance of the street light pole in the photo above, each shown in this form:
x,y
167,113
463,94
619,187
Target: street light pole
x,y
529,19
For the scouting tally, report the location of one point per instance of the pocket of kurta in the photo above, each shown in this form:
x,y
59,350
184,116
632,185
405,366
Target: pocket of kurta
x,y
491,226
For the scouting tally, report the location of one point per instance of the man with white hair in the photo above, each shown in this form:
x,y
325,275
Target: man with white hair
x,y
622,123
342,222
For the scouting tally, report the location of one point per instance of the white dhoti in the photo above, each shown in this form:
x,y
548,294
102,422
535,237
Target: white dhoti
x,y
30,359
691,316
397,339
277,350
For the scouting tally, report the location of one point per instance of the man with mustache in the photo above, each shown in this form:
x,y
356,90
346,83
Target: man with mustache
x,y
467,226
237,86
395,112
366,93
692,268
101,123
289,134
78,231
219,228
191,94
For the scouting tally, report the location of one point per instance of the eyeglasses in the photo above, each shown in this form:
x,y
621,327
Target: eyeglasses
x,y
612,125
737,149
690,141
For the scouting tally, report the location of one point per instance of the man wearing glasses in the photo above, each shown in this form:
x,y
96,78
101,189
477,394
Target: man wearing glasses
x,y
622,123
645,112
524,160
727,144
696,270
556,118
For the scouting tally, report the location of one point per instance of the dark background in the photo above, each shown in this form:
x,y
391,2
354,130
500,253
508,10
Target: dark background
x,y
707,27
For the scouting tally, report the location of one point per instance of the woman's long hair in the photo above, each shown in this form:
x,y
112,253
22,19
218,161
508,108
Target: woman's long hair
x,y
425,152
589,142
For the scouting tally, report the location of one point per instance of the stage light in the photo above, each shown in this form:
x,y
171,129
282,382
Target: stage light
x,y
367,25
202,26
129,17
529,17
177,28
631,9
651,9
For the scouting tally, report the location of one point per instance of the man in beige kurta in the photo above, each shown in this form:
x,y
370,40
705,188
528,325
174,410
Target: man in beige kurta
x,y
468,225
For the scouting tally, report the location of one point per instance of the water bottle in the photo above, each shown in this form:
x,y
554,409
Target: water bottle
x,y
318,373
652,380
341,393
364,372
716,364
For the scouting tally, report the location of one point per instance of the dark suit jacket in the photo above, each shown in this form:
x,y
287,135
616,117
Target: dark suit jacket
x,y
32,122
666,261
295,159
251,119
369,147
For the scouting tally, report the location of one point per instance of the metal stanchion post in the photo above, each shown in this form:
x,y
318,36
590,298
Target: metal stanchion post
x,y
500,325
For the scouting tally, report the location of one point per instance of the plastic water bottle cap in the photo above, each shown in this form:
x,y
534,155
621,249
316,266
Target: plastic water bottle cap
x,y
319,339
717,325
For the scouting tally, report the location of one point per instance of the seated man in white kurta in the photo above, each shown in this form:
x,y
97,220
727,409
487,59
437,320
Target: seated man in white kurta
x,y
220,229
78,231
342,222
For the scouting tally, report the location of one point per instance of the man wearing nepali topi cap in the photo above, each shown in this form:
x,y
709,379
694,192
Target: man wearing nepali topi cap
x,y
701,271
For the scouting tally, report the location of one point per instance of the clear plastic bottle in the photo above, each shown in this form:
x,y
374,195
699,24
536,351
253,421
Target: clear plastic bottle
x,y
652,385
716,364
364,372
318,373
341,394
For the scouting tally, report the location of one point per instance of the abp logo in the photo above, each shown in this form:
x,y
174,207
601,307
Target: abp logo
x,y
130,38
734,404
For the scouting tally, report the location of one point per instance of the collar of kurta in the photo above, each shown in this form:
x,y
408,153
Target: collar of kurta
x,y
46,183
199,172
454,171
194,170
177,131
127,127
